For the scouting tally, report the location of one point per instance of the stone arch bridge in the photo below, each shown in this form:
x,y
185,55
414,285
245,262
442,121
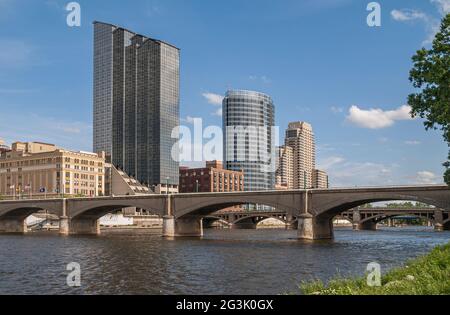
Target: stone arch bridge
x,y
360,218
182,214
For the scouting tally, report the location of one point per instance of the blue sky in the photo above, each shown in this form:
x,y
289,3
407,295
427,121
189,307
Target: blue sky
x,y
318,60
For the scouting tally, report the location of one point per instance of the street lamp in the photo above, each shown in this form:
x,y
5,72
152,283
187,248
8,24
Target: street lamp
x,y
167,184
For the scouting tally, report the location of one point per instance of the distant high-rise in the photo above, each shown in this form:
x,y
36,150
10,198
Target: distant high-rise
x,y
136,103
285,168
300,137
249,144
320,179
3,147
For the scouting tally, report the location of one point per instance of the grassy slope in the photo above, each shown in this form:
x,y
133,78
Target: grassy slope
x,y
431,277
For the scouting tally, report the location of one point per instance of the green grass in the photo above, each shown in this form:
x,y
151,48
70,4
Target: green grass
x,y
427,275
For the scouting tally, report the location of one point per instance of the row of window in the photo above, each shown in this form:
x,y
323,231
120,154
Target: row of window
x,y
82,162
30,162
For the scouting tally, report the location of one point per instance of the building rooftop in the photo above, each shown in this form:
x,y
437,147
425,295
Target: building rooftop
x,y
134,33
300,125
247,92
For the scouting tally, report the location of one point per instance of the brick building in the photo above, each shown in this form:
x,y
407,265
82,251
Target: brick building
x,y
212,178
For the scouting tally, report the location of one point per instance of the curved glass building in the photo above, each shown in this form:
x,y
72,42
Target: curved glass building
x,y
249,137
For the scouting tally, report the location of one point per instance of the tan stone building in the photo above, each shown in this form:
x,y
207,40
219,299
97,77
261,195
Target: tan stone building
x,y
300,137
296,160
35,169
284,168
320,179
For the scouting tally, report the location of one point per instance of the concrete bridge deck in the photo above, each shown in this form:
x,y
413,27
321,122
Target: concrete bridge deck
x,y
182,214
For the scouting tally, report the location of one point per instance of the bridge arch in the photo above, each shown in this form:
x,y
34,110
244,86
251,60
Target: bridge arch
x,y
206,204
14,215
336,207
84,214
23,207
100,207
347,219
258,219
382,217
209,221
24,212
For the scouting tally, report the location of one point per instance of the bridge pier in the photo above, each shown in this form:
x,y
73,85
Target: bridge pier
x,y
13,225
446,226
81,226
365,226
188,226
291,225
313,228
391,222
438,221
64,226
244,226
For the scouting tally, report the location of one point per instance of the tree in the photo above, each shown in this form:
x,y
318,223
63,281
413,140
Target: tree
x,y
431,75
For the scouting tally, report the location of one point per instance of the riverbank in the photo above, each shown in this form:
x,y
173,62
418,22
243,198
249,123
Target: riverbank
x,y
426,275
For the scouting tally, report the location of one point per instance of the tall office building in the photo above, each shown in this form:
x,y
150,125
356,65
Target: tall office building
x,y
300,137
136,104
320,179
249,144
284,168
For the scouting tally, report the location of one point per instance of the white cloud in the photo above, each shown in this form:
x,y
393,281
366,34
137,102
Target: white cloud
x,y
426,178
213,99
188,119
378,118
216,100
408,15
71,135
432,24
54,4
345,173
327,163
412,142
443,5
218,112
336,110
264,79
325,148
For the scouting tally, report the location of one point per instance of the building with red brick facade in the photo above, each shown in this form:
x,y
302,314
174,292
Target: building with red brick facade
x,y
212,178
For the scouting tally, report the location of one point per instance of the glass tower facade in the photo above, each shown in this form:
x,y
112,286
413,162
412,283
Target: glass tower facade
x,y
103,85
136,103
249,137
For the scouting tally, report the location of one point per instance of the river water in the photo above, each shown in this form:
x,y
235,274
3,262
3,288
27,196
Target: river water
x,y
223,262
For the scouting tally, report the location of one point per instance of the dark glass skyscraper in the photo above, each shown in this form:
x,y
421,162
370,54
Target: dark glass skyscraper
x,y
136,103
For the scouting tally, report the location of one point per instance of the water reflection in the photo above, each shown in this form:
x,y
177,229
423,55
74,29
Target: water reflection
x,y
223,262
